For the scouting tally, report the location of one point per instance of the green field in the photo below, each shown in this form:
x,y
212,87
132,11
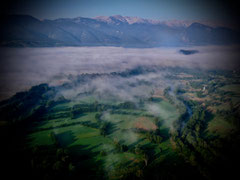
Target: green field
x,y
71,134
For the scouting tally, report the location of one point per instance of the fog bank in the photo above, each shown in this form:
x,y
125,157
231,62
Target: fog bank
x,y
22,68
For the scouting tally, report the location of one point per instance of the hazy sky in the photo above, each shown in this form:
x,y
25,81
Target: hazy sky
x,y
155,9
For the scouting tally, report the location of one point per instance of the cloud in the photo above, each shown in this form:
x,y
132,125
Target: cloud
x,y
22,68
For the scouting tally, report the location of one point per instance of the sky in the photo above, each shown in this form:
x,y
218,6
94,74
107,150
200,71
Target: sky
x,y
152,9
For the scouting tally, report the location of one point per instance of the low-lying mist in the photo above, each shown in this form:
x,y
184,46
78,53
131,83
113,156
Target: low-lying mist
x,y
22,68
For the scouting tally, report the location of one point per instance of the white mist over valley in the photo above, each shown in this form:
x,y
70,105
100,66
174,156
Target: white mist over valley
x,y
22,68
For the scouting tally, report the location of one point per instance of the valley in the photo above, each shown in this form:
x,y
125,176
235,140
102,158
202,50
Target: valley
x,y
177,121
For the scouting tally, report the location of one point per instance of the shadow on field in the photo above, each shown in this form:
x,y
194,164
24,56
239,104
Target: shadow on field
x,y
111,128
79,115
84,158
66,138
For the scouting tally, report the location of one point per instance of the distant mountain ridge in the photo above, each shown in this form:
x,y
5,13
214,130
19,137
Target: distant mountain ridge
x,y
125,31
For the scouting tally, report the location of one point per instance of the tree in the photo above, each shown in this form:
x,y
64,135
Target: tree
x,y
104,129
98,116
145,158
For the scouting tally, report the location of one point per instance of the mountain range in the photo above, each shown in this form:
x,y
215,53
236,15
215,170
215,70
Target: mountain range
x,y
125,31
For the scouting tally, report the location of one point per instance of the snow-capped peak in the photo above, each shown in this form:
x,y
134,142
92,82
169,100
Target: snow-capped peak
x,y
111,19
136,20
117,19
